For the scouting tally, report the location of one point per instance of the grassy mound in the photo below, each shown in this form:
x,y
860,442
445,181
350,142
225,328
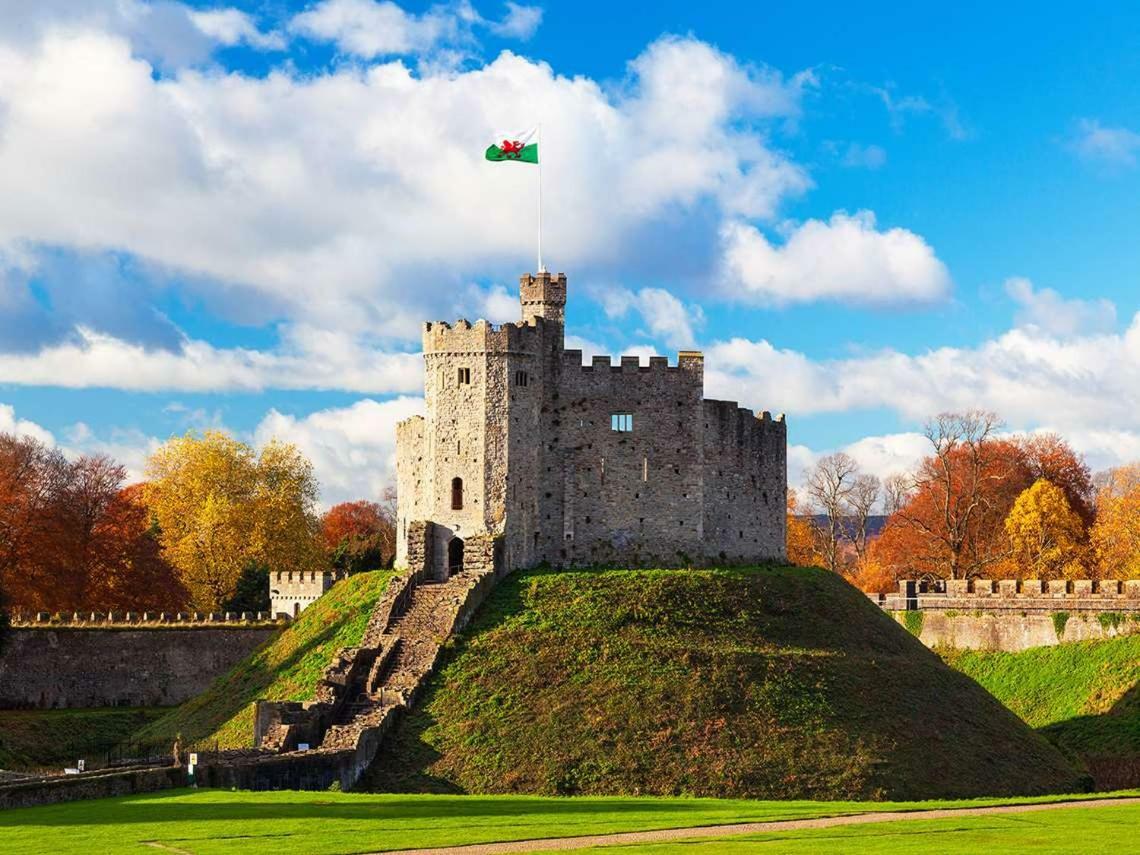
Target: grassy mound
x,y
1083,697
760,683
42,739
287,667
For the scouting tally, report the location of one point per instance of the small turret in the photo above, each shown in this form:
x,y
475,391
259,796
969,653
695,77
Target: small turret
x,y
543,296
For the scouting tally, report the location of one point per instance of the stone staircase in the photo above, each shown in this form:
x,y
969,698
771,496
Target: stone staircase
x,y
413,639
364,690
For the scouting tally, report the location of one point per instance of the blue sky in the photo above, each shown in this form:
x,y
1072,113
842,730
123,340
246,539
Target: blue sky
x,y
237,216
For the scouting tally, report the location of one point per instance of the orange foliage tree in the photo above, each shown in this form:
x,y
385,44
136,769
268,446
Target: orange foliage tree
x,y
73,538
1046,535
950,520
1115,538
361,535
800,536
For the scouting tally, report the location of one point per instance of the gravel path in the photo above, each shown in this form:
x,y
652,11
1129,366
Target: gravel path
x,y
668,834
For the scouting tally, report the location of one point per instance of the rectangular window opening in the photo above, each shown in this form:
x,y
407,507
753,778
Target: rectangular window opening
x,y
464,376
520,378
621,422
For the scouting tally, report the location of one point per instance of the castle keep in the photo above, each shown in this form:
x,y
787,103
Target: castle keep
x,y
525,455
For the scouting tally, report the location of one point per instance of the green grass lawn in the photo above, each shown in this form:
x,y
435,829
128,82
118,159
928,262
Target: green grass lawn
x,y
285,668
1046,685
1062,832
217,822
42,739
1084,697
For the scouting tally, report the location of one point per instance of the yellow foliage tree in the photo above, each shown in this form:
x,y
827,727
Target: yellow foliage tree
x,y
221,507
1045,535
801,537
1115,537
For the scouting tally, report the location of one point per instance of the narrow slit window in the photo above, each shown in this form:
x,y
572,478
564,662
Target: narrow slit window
x,y
645,468
464,376
457,494
621,422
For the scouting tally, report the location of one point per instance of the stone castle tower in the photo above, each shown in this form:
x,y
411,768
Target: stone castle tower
x,y
525,455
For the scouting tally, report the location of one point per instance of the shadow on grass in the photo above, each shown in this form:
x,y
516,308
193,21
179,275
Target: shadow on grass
x,y
1107,744
296,806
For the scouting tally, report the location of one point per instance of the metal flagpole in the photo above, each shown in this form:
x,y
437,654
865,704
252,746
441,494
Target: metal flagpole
x,y
541,266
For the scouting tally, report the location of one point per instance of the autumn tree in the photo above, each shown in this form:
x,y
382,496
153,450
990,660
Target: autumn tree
x,y
359,535
860,503
844,498
72,537
1115,538
1046,535
800,536
829,485
1048,456
947,520
220,507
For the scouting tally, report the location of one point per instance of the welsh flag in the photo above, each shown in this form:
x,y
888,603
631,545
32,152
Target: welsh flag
x,y
522,147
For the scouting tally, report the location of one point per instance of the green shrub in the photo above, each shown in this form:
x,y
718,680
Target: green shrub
x,y
913,620
1110,620
1060,621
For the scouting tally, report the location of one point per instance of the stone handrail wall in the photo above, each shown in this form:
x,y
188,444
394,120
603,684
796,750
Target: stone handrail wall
x,y
104,620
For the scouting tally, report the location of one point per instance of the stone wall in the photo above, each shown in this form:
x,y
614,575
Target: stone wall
x,y
69,666
92,785
745,463
1015,631
1011,614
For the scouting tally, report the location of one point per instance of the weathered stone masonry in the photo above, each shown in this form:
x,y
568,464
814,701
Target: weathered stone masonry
x,y
519,443
1012,615
79,665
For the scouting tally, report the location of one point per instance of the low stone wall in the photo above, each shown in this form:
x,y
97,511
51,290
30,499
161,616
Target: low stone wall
x,y
92,785
76,666
104,620
1025,595
1011,631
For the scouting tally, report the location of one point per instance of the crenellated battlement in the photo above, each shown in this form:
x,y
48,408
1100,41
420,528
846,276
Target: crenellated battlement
x,y
464,337
572,360
1014,595
112,619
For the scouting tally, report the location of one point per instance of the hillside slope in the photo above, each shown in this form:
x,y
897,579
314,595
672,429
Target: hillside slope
x,y
769,683
52,739
286,668
1083,697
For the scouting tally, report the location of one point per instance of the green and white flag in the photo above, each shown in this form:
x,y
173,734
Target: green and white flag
x,y
522,147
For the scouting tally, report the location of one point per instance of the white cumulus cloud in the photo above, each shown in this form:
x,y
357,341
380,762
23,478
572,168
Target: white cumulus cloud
x,y
297,192
1048,310
22,427
846,258
353,449
664,315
